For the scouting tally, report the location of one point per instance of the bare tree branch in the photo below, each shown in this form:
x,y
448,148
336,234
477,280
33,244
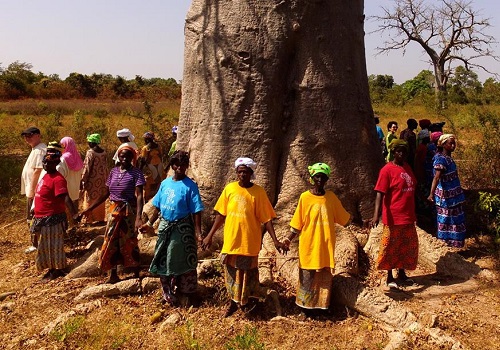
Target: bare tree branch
x,y
451,32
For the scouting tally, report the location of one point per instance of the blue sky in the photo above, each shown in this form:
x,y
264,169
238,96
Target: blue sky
x,y
129,37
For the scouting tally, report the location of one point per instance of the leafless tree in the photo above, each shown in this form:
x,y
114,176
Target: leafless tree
x,y
451,32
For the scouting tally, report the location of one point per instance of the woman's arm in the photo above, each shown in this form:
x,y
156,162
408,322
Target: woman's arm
x,y
140,203
434,184
197,226
207,241
376,210
280,247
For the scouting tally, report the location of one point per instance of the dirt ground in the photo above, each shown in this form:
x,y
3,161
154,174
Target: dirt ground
x,y
468,311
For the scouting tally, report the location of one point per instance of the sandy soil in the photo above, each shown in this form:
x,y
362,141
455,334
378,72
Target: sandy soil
x,y
468,311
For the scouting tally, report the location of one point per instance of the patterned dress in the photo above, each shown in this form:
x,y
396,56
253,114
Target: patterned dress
x,y
95,173
449,198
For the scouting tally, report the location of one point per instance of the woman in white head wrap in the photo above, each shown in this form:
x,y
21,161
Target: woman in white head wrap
x,y
127,139
243,207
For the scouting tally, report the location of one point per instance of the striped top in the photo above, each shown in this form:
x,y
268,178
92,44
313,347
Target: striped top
x,y
122,184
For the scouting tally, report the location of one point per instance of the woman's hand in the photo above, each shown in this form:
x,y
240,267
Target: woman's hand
x,y
374,221
78,216
206,242
138,223
431,198
283,248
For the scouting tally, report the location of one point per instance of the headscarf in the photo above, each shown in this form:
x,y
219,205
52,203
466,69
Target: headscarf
x,y
318,168
149,135
55,148
125,133
445,137
398,143
94,138
435,136
423,134
131,149
52,157
424,123
248,162
175,129
70,154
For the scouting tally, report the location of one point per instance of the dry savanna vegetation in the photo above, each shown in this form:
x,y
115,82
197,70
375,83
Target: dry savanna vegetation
x,y
40,316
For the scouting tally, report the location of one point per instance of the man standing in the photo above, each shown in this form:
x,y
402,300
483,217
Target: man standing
x,y
32,169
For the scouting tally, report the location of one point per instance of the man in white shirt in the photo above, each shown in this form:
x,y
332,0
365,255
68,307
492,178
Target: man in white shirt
x,y
32,168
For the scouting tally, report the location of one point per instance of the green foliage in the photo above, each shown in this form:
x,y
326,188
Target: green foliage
x,y
248,340
186,339
488,205
64,331
49,127
10,174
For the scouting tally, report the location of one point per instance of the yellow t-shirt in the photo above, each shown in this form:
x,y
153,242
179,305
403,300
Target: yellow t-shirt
x,y
315,217
245,209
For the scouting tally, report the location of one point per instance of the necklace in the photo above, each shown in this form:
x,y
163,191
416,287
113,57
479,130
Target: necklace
x,y
121,175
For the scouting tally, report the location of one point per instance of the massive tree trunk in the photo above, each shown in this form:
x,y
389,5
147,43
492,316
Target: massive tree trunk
x,y
285,83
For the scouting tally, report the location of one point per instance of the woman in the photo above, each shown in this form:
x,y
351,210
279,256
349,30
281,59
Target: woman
x,y
175,259
71,167
392,127
124,189
396,194
243,207
50,222
447,194
94,175
314,221
151,160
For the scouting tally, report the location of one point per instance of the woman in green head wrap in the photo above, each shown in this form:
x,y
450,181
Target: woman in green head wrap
x,y
314,222
95,173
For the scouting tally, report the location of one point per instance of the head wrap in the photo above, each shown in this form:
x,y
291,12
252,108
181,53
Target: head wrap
x,y
318,168
52,157
94,138
248,162
435,136
149,135
424,123
70,154
445,137
125,133
398,143
423,134
175,129
131,149
54,148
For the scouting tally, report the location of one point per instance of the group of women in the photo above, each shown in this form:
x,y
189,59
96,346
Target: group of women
x,y
244,209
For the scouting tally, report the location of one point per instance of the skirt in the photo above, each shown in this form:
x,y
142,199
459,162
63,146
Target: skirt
x,y
398,248
120,245
241,274
49,234
315,288
451,225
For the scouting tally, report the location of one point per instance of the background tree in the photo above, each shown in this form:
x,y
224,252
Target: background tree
x,y
450,32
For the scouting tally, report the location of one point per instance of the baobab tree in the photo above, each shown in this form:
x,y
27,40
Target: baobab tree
x,y
285,83
450,32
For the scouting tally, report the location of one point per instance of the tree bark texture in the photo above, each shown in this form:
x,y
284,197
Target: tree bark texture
x,y
284,83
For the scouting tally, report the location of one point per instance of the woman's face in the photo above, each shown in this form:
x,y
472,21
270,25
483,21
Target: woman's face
x,y
50,166
450,145
393,128
400,154
179,169
244,174
125,157
320,180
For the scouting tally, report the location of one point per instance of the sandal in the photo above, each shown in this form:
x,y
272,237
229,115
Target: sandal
x,y
231,309
392,285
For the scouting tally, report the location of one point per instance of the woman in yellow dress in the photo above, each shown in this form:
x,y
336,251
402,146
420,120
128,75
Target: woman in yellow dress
x,y
314,222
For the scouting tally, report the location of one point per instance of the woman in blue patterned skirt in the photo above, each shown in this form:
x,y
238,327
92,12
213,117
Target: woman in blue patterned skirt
x,y
447,194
